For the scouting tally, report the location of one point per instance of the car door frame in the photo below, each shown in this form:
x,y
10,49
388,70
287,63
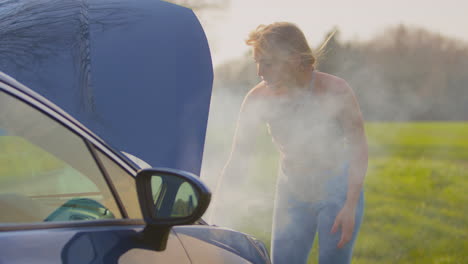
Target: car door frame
x,y
91,141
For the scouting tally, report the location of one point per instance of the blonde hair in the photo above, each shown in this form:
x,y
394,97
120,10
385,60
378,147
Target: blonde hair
x,y
282,39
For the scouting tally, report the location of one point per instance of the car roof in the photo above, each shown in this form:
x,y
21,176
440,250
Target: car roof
x,y
19,86
137,73
14,84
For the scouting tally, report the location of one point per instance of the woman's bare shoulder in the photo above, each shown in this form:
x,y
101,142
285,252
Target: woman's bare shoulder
x,y
254,99
332,84
257,93
259,90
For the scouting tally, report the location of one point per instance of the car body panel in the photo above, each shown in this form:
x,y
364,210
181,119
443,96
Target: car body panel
x,y
137,73
203,252
71,244
203,243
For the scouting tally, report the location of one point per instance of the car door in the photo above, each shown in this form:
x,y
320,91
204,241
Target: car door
x,y
57,202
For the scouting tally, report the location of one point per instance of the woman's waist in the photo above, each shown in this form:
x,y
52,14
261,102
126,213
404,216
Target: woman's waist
x,y
311,166
313,160
314,148
313,184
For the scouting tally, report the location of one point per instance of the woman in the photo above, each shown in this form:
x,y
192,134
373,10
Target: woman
x,y
316,124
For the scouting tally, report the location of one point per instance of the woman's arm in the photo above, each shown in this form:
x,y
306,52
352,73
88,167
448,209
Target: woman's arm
x,y
353,126
236,166
244,136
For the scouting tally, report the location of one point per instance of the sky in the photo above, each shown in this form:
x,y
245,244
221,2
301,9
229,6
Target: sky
x,y
360,20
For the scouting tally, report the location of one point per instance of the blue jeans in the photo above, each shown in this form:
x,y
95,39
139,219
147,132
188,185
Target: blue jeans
x,y
296,222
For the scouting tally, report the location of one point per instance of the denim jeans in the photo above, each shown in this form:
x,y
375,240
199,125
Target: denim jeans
x,y
295,223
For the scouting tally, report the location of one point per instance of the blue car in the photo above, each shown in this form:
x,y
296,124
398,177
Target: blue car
x,y
138,74
67,197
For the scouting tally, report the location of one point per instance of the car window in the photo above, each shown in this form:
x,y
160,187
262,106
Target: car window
x,y
47,172
125,185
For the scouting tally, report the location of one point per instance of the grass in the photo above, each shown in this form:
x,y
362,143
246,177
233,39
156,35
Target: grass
x,y
416,208
415,212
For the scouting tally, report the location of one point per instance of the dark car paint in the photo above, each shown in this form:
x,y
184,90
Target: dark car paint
x,y
95,244
137,73
227,239
59,242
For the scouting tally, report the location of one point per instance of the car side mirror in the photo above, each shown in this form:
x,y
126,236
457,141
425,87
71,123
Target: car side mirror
x,y
167,198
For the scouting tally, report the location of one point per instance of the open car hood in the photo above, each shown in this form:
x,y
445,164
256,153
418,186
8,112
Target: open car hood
x,y
137,73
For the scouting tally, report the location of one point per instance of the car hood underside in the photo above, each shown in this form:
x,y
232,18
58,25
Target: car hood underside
x,y
137,73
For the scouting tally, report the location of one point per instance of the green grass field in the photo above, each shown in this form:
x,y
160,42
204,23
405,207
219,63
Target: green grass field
x,y
416,203
416,190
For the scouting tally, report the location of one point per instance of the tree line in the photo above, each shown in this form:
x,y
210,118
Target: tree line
x,y
403,74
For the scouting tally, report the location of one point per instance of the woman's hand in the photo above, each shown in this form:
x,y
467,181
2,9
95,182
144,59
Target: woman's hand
x,y
345,220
